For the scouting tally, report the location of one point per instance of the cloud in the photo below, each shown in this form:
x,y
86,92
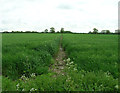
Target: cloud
x,y
63,6
74,15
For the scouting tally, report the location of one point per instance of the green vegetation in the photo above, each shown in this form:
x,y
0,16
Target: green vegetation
x,y
95,31
46,31
91,63
93,52
62,30
105,32
28,53
52,30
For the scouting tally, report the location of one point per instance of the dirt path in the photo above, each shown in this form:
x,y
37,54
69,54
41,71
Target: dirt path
x,y
59,65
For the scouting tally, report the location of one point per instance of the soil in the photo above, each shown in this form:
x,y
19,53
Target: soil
x,y
59,65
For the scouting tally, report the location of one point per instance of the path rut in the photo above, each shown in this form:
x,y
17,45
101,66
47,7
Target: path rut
x,y
59,65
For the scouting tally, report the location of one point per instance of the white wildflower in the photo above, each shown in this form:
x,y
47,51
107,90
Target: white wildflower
x,y
69,78
35,89
23,77
17,85
71,62
68,60
75,69
23,89
67,64
101,85
116,86
32,89
32,75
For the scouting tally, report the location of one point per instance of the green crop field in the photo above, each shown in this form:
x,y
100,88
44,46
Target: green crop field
x,y
93,52
28,53
91,62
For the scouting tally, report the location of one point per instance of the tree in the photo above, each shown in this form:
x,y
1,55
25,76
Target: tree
x,y
27,31
107,31
103,31
89,32
58,32
67,32
95,31
46,30
5,32
52,30
62,30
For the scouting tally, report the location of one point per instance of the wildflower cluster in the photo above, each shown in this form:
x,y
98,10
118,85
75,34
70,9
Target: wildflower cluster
x,y
70,65
33,89
107,74
69,85
68,79
33,75
24,78
116,86
19,88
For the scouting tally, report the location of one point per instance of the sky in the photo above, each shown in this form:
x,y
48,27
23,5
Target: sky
x,y
73,15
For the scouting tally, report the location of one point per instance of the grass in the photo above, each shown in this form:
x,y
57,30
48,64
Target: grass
x,y
91,64
93,52
28,53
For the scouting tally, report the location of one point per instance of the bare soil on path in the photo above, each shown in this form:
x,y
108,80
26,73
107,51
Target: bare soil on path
x,y
59,65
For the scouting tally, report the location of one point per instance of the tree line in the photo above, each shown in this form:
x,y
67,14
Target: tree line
x,y
95,31
52,30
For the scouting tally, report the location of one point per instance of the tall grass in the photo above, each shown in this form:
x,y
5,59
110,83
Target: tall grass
x,y
28,53
91,64
93,52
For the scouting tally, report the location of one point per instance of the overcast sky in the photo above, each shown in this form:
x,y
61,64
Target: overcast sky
x,y
73,15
